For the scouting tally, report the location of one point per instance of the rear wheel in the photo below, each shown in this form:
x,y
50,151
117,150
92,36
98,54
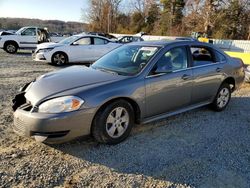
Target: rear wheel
x,y
11,47
113,123
59,58
222,98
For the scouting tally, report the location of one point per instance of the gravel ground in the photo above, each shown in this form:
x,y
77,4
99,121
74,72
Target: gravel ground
x,y
200,148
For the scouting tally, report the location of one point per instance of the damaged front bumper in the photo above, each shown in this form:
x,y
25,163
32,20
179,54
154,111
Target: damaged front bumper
x,y
49,128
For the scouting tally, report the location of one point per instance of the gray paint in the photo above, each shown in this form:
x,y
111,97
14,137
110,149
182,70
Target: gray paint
x,y
157,96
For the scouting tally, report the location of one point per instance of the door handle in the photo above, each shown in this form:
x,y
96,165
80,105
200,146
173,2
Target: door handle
x,y
218,69
185,77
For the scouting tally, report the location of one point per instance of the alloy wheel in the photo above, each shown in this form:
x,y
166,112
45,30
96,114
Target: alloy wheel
x,y
223,97
59,59
11,48
117,122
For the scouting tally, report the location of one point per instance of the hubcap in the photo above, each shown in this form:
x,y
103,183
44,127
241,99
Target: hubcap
x,y
11,48
117,122
59,59
223,98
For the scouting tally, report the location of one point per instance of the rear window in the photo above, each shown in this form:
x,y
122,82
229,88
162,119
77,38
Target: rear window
x,y
202,56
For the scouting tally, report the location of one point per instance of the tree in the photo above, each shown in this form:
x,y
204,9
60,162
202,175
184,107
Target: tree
x,y
103,15
152,18
172,14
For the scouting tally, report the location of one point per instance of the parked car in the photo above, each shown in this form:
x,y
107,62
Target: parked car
x,y
128,39
136,83
77,48
24,38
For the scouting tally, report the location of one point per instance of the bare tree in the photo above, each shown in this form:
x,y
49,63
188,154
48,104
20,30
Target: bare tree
x,y
103,14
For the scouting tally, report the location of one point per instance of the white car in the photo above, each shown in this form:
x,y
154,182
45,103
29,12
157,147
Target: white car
x,y
25,38
77,48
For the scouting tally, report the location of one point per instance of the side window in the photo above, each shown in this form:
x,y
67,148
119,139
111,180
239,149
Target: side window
x,y
98,41
126,39
202,56
174,59
220,57
29,32
83,41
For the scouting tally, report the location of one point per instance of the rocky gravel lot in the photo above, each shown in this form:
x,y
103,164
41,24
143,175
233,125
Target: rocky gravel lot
x,y
200,148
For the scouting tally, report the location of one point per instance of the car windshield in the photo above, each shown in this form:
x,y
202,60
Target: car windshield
x,y
19,31
127,60
69,40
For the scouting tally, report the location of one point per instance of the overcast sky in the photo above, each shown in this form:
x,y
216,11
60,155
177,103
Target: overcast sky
x,y
66,10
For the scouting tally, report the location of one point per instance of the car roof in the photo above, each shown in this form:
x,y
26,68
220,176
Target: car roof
x,y
164,43
88,35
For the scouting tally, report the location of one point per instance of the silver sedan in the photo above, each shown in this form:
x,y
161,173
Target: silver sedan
x,y
136,83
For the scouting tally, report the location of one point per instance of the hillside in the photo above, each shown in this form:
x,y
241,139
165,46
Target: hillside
x,y
52,25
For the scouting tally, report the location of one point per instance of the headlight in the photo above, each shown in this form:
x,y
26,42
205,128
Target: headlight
x,y
45,50
61,104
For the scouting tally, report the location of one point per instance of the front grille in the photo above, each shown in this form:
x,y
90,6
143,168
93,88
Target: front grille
x,y
19,126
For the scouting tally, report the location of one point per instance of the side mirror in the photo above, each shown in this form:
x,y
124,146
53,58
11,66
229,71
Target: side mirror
x,y
74,44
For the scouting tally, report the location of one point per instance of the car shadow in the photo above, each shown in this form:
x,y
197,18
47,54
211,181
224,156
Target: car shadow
x,y
198,148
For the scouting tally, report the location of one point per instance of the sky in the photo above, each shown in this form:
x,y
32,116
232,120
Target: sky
x,y
65,10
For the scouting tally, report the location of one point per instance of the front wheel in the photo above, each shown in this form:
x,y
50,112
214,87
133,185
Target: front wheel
x,y
222,98
11,47
59,59
113,123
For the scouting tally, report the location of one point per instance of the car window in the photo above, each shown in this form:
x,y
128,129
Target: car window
x,y
127,39
174,59
220,57
83,41
202,56
127,60
98,41
29,32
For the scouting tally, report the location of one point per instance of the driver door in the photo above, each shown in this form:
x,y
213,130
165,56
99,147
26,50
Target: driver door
x,y
29,38
81,50
169,84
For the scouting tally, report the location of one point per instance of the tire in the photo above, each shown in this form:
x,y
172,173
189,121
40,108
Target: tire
x,y
59,59
111,128
222,98
10,47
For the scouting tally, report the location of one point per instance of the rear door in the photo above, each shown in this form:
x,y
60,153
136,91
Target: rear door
x,y
169,84
207,72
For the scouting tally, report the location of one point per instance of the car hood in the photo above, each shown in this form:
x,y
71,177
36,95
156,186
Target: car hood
x,y
74,77
49,45
2,33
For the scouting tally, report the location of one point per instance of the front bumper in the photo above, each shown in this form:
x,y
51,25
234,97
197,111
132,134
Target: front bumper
x,y
1,44
39,57
56,128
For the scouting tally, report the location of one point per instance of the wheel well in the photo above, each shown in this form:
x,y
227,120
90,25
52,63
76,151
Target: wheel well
x,y
231,82
11,41
136,108
62,53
